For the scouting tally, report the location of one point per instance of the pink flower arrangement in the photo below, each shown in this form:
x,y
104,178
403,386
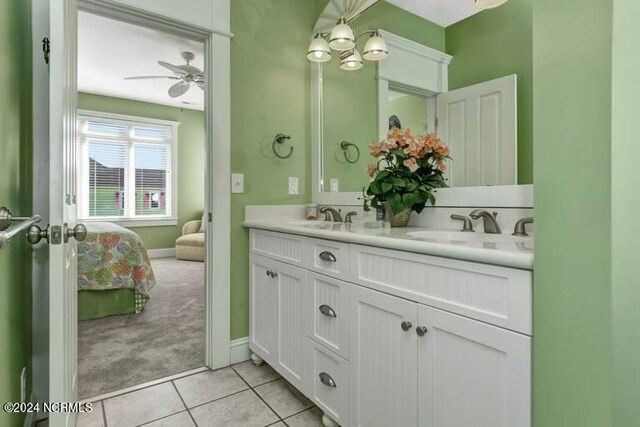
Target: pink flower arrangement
x,y
408,169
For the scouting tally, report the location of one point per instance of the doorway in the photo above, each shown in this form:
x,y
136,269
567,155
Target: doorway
x,y
54,372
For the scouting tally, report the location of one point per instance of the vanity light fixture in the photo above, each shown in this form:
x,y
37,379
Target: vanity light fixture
x,y
489,4
342,39
351,60
376,48
319,50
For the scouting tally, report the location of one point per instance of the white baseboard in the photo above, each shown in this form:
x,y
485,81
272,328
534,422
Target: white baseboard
x,y
239,350
162,253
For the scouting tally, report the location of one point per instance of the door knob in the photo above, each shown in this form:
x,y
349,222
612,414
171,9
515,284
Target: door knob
x,y
35,234
406,325
421,331
79,232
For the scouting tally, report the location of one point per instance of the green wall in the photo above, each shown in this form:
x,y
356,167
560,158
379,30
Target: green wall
x,y
270,93
572,361
15,193
351,98
190,159
492,44
625,208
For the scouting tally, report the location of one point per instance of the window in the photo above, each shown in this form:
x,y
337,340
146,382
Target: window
x,y
127,169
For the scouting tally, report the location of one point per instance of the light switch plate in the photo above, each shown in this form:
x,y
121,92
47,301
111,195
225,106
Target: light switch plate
x,y
237,183
335,185
293,185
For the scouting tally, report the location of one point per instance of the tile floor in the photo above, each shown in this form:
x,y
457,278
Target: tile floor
x,y
242,395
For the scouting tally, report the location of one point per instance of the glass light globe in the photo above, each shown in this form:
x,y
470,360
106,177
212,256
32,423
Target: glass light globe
x,y
319,49
351,61
376,48
489,4
342,37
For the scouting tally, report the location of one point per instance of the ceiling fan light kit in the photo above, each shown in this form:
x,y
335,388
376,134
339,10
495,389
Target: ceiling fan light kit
x,y
342,39
489,4
186,73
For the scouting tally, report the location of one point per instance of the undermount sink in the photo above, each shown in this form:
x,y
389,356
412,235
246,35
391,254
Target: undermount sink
x,y
465,237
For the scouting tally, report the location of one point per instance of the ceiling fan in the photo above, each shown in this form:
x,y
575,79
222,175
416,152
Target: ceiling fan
x,y
186,74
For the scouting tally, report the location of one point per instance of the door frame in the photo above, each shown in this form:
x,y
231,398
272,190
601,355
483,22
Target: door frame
x,y
217,173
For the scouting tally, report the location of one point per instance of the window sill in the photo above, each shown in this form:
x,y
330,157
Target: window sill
x,y
136,222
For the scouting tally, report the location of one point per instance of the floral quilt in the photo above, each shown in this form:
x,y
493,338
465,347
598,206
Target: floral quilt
x,y
112,257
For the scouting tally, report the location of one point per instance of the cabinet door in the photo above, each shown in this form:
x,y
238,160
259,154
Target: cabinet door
x,y
263,302
383,381
471,373
292,361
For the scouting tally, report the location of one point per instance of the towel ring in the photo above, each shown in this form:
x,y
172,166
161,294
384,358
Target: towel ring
x,y
279,139
345,145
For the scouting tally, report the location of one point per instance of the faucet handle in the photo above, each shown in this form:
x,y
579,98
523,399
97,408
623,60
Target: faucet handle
x,y
467,225
349,216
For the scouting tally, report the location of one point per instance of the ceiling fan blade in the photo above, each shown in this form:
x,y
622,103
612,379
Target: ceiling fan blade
x,y
200,85
190,69
151,77
179,89
179,71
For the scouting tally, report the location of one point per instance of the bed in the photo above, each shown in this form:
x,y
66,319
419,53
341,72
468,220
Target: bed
x,y
114,272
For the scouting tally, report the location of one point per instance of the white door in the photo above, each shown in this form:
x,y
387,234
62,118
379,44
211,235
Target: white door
x,y
471,373
479,123
292,327
63,353
383,349
263,302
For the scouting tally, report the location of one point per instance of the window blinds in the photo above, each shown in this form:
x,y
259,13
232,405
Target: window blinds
x,y
124,170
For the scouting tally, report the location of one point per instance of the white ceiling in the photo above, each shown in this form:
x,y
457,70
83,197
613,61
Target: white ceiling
x,y
110,50
442,12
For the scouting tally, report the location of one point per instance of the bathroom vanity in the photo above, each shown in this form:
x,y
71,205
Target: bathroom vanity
x,y
395,327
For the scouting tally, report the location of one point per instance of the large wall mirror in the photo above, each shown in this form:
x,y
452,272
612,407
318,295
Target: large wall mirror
x,y
410,90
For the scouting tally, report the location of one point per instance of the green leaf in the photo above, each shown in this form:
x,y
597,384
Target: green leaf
x,y
395,202
386,187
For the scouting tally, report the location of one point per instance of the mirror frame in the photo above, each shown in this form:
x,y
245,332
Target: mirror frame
x,y
403,71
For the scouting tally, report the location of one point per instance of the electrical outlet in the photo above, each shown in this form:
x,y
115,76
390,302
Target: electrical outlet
x,y
335,185
23,385
293,185
237,183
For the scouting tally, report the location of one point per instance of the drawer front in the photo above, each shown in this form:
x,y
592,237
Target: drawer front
x,y
330,383
329,315
283,247
330,258
496,295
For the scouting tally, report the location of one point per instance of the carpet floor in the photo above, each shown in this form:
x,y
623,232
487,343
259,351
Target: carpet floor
x,y
167,338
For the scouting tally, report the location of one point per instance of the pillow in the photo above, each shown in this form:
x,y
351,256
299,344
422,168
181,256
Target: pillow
x,y
201,224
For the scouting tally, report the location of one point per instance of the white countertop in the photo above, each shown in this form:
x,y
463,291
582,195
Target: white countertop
x,y
503,253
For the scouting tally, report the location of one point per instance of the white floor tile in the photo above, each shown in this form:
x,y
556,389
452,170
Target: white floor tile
x,y
143,406
210,385
256,375
283,398
95,418
244,409
183,419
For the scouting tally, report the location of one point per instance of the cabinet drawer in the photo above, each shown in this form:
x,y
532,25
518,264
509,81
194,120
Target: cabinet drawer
x,y
496,295
329,313
330,383
283,247
330,258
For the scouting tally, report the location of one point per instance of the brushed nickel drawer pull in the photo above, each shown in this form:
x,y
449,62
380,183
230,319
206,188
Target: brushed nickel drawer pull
x,y
327,311
327,380
327,256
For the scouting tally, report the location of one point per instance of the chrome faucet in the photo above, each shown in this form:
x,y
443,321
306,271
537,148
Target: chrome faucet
x,y
331,214
520,227
467,225
490,224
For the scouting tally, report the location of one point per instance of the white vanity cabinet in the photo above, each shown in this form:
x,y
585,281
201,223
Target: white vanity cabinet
x,y
380,337
278,328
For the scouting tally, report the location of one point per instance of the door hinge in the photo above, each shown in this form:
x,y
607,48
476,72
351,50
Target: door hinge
x,y
46,49
210,217
436,124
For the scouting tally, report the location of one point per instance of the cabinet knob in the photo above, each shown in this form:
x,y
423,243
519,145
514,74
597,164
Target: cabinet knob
x,y
421,331
327,311
327,380
406,325
327,256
